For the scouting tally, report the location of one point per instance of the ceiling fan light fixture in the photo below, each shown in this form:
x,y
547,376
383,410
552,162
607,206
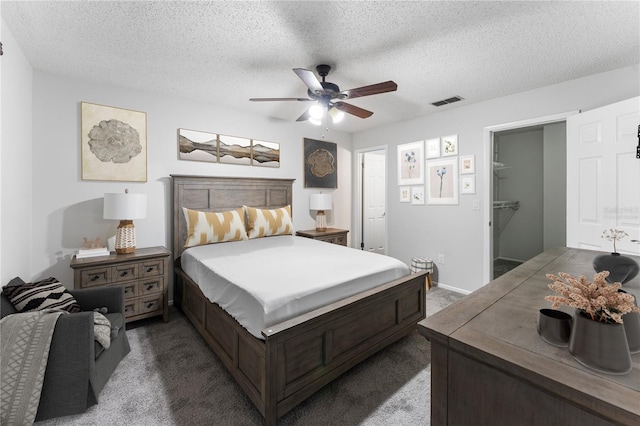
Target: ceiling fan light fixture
x,y
336,114
315,121
316,111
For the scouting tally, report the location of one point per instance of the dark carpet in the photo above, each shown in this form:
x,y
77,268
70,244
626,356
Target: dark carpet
x,y
171,377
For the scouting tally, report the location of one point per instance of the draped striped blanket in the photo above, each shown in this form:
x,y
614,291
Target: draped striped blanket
x,y
26,339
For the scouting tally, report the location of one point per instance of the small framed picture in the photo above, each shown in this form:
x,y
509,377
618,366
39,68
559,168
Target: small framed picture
x,y
468,184
432,148
417,195
405,194
450,145
467,164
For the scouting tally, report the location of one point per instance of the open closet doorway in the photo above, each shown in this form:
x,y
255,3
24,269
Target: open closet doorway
x,y
371,223
526,200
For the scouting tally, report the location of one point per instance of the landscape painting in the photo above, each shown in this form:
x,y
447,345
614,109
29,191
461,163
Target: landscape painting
x,y
234,150
197,146
265,154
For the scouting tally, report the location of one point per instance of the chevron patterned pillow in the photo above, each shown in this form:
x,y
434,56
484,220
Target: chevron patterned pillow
x,y
214,227
267,222
45,294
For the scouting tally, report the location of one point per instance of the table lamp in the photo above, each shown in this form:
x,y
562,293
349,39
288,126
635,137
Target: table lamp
x,y
320,203
125,207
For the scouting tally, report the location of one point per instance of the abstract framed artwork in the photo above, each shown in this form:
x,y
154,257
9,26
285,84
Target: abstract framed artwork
x,y
405,194
265,154
197,146
320,164
234,150
442,181
449,145
411,163
432,148
468,184
417,195
467,164
113,143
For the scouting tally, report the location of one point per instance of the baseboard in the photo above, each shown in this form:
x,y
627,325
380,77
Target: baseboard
x,y
452,288
509,259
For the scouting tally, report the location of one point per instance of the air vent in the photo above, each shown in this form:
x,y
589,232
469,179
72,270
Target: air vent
x,y
447,101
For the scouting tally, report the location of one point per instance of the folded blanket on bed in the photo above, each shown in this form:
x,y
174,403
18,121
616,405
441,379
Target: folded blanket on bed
x,y
26,339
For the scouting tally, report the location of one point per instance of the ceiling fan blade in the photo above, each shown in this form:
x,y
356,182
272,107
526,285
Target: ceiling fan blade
x,y
353,110
279,99
310,79
374,89
305,116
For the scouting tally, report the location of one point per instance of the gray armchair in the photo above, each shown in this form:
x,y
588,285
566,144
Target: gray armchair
x,y
78,367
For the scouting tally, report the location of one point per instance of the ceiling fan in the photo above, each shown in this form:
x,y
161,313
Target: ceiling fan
x,y
327,96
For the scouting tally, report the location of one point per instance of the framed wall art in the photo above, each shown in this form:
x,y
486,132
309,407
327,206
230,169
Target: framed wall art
x,y
417,195
442,181
197,146
113,143
405,194
468,184
320,164
432,148
467,164
234,150
449,145
411,163
265,154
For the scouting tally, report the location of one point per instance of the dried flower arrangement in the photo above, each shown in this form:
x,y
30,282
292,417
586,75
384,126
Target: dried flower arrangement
x,y
614,235
598,300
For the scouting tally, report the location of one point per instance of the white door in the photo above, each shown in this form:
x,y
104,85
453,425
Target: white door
x,y
374,202
603,177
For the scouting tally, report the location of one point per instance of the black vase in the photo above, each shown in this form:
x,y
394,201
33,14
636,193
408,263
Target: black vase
x,y
621,268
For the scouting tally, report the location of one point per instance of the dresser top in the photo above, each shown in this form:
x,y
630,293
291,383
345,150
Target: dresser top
x,y
139,254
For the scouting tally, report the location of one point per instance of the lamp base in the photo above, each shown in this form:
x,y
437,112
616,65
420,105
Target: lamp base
x,y
321,221
125,237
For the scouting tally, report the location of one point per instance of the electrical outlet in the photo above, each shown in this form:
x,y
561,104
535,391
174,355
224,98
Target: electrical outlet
x,y
441,259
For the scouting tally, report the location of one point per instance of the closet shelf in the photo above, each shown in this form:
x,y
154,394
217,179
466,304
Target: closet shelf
x,y
513,205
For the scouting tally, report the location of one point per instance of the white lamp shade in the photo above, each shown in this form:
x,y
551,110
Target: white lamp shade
x,y
124,206
320,202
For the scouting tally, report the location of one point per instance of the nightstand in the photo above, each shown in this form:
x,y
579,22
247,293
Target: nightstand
x,y
144,275
331,235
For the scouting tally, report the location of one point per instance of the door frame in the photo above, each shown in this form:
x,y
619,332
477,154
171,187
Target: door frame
x,y
356,238
488,178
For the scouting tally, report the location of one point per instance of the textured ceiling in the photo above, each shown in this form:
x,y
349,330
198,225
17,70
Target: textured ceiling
x,y
227,52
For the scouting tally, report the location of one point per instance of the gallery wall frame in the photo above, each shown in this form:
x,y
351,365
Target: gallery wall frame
x,y
467,164
194,145
432,148
449,145
405,194
113,143
442,181
411,163
468,184
320,164
417,195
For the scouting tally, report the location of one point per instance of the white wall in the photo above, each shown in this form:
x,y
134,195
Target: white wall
x,y
458,231
67,208
15,161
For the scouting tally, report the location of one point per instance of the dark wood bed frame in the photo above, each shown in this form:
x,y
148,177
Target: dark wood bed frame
x,y
299,356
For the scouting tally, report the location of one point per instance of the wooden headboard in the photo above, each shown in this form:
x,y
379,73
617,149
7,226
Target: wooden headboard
x,y
214,194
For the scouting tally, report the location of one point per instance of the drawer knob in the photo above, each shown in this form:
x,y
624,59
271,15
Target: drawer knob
x,y
150,269
150,305
124,273
95,277
150,286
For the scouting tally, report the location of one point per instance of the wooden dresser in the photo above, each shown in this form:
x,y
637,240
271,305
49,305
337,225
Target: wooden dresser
x,y
489,366
331,235
144,275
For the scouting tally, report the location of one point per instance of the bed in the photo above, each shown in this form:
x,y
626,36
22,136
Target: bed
x,y
294,358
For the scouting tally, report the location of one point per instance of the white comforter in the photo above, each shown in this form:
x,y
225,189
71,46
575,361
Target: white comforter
x,y
265,281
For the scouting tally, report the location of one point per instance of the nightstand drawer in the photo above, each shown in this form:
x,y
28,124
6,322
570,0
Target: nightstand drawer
x,y
124,272
95,277
151,268
130,290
